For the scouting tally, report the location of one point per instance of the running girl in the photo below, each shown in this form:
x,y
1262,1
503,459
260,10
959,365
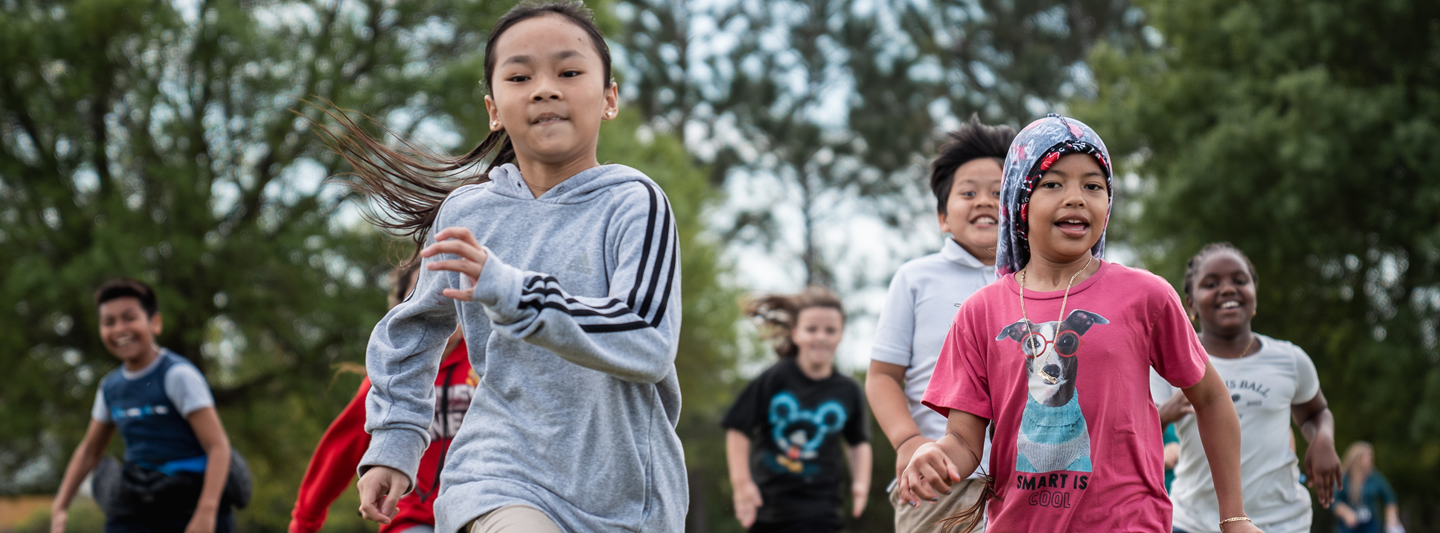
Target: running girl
x,y
1271,382
563,275
783,433
338,453
163,409
1058,352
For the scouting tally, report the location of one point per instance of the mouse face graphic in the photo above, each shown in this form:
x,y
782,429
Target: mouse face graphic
x,y
799,432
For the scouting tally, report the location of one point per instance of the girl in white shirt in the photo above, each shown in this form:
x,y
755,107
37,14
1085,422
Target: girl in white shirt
x,y
1271,382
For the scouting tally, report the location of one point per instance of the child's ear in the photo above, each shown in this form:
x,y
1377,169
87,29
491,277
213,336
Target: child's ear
x,y
612,101
494,112
157,323
941,217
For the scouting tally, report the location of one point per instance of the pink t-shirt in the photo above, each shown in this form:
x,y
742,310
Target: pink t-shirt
x,y
1083,453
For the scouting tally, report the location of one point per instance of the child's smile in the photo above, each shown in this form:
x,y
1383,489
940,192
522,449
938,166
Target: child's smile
x,y
1224,293
972,212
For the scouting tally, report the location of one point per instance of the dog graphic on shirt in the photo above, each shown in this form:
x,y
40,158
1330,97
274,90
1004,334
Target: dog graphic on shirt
x,y
1053,433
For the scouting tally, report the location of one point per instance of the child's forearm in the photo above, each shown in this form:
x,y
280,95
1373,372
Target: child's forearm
x,y
964,441
1321,424
217,470
860,464
887,399
1220,434
81,463
1343,511
737,457
87,455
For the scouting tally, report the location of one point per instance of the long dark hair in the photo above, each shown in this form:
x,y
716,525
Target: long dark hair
x,y
410,182
777,314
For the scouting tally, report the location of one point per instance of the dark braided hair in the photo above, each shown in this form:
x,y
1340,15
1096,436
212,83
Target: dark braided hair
x,y
777,314
1193,266
972,141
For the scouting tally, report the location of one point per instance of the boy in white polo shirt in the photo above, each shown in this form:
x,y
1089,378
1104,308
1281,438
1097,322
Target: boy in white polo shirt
x,y
921,305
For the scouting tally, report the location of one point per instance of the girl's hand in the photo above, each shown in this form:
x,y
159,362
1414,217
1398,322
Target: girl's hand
x,y
1346,515
1240,527
202,521
460,242
1322,469
1175,408
929,474
861,494
905,452
747,503
58,517
380,491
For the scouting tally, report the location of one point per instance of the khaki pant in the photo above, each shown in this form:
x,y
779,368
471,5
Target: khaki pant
x,y
924,517
514,519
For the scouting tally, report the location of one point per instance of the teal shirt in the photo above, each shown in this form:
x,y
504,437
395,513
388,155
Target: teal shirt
x,y
1170,436
1374,495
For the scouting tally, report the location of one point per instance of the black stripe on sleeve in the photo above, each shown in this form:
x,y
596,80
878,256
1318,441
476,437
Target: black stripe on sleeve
x,y
538,305
613,328
659,262
669,283
545,291
645,251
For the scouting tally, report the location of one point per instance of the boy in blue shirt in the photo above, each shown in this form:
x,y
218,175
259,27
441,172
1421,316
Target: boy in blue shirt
x,y
164,412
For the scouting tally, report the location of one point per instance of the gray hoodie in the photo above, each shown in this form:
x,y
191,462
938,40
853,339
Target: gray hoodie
x,y
572,330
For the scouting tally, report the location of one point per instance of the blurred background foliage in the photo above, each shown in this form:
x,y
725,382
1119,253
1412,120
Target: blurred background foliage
x,y
159,140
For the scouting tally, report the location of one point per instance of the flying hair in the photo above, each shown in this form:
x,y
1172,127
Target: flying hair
x,y
407,183
972,141
776,314
402,280
1192,267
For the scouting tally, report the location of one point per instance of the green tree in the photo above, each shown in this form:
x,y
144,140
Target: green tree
x,y
840,103
157,140
143,140
1304,133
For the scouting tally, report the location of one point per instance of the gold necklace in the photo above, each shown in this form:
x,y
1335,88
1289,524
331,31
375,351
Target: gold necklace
x,y
1049,378
1247,347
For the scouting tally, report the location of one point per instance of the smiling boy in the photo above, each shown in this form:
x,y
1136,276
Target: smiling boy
x,y
164,412
923,299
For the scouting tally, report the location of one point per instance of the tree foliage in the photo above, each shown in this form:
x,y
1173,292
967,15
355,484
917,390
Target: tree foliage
x,y
835,106
1305,133
159,140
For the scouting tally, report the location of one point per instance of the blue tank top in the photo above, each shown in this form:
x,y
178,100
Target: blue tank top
x,y
151,426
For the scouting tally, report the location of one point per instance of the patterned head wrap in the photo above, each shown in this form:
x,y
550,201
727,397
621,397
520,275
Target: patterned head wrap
x,y
1034,150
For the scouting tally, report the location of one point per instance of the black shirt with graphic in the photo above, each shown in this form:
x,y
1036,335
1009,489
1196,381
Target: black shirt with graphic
x,y
795,424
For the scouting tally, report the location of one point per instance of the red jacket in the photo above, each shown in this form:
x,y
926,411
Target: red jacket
x,y
338,454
